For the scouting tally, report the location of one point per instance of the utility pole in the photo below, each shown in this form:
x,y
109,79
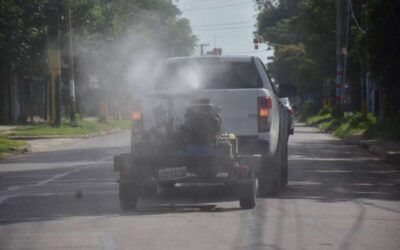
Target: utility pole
x,y
54,62
339,56
70,61
202,45
363,71
346,30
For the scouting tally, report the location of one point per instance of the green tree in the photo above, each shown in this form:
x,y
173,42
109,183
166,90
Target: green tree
x,y
305,33
22,58
109,37
118,41
380,43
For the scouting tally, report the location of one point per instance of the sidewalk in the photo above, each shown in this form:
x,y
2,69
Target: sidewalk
x,y
4,128
390,150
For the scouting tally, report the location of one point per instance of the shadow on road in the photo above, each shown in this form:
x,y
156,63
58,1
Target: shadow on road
x,y
69,155
329,170
38,208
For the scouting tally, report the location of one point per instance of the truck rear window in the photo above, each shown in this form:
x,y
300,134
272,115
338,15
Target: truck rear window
x,y
207,74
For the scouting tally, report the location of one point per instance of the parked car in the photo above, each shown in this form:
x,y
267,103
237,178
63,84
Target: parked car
x,y
289,107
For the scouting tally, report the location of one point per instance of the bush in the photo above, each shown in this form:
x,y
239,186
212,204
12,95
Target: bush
x,y
326,110
306,110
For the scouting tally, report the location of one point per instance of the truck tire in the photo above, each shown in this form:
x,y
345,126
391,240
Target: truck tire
x,y
269,186
270,176
248,197
284,166
127,196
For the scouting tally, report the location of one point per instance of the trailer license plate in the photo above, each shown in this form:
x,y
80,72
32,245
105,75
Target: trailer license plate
x,y
172,173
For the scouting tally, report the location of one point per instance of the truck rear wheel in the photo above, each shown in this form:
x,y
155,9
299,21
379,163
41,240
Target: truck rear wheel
x,y
127,196
284,167
270,177
268,186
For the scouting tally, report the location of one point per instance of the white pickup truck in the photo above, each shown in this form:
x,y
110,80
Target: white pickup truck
x,y
246,105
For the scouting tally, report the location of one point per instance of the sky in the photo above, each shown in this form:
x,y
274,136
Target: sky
x,y
226,24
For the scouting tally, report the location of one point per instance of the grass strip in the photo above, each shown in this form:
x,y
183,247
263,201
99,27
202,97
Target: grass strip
x,y
85,127
10,146
357,125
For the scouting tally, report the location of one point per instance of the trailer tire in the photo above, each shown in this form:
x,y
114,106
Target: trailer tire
x,y
127,196
248,197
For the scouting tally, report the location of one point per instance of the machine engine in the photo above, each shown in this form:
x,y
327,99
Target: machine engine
x,y
202,124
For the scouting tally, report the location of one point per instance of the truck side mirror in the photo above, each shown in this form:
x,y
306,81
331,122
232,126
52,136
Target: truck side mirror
x,y
287,90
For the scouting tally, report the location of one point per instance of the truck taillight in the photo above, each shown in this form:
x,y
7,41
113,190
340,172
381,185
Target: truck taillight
x,y
137,122
136,116
264,104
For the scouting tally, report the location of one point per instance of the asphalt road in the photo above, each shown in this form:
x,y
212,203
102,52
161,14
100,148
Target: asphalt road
x,y
339,197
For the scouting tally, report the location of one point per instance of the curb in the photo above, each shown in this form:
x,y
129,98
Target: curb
x,y
391,157
21,137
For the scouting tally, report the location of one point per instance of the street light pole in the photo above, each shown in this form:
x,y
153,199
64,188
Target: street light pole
x,y
202,45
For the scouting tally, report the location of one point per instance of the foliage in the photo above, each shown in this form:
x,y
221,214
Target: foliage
x,y
23,32
22,35
305,111
326,109
381,46
355,124
119,41
108,37
387,129
318,119
8,146
305,32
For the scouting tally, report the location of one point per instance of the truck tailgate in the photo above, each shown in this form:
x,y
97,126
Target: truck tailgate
x,y
238,107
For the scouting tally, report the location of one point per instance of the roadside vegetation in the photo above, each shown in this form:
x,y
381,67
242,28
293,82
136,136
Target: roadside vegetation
x,y
354,125
303,35
10,146
12,141
85,127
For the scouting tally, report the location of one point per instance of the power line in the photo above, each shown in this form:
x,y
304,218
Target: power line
x,y
224,28
216,7
197,4
208,4
222,24
354,17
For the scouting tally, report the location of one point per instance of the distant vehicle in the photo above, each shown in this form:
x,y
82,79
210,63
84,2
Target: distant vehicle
x,y
288,105
212,119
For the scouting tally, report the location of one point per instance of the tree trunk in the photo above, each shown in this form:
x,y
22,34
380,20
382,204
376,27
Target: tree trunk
x,y
15,109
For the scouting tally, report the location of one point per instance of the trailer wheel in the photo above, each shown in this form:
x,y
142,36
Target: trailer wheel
x,y
248,197
127,196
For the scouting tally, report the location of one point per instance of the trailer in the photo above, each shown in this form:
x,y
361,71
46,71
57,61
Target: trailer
x,y
172,155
